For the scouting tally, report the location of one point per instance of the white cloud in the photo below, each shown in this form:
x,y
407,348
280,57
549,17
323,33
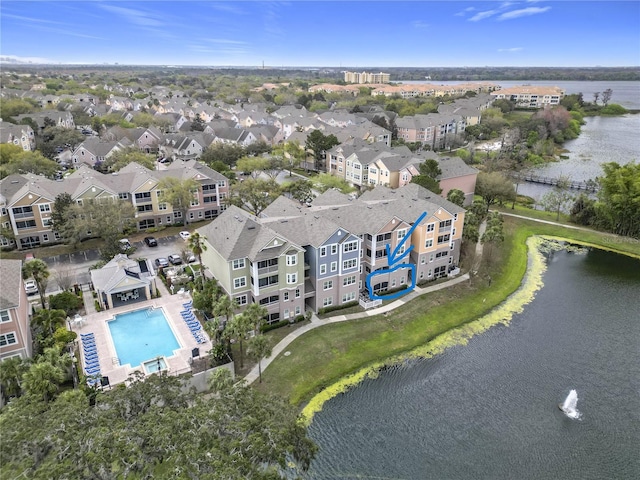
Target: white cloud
x,y
419,24
464,12
482,15
523,12
511,50
137,17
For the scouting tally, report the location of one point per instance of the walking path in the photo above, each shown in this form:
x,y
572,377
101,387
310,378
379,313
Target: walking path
x,y
316,322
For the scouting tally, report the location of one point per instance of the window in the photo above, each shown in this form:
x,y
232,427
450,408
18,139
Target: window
x,y
143,196
431,227
8,339
372,170
4,316
242,300
350,246
292,259
455,217
445,223
292,278
327,285
239,282
443,238
269,300
159,193
402,233
162,206
334,249
347,264
268,281
348,297
285,296
323,251
298,310
383,237
177,214
334,266
297,293
393,283
348,281
239,263
323,269
327,301
272,262
428,243
45,208
145,208
442,254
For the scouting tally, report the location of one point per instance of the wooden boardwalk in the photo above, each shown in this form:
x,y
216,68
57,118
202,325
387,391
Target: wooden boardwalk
x,y
589,186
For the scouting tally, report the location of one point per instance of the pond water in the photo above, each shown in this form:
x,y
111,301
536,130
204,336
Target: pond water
x,y
490,409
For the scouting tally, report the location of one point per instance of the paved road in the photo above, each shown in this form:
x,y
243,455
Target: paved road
x,y
76,265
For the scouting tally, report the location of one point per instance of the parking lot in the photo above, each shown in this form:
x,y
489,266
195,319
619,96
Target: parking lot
x,y
76,265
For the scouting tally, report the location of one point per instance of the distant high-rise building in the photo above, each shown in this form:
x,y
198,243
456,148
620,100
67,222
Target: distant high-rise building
x,y
366,77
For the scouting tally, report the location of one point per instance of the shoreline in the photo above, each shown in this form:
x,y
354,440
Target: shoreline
x,y
501,314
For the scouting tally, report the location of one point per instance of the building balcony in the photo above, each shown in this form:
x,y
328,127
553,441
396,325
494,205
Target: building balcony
x,y
265,270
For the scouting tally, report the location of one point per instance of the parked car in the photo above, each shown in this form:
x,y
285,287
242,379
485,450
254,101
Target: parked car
x,y
184,235
125,244
162,262
175,259
191,258
31,287
151,241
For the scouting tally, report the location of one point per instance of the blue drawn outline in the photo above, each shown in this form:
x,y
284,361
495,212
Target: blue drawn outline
x,y
392,259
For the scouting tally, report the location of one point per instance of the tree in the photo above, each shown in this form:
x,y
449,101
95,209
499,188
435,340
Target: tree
x,y
238,328
319,143
456,196
259,348
254,194
583,211
12,370
155,429
106,218
223,152
61,204
324,182
198,124
428,177
494,187
494,232
619,199
198,246
596,95
29,162
64,277
43,379
122,158
558,198
44,323
178,193
39,271
606,96
301,190
252,165
67,301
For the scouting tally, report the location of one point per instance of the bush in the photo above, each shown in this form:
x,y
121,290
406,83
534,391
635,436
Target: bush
x,y
613,109
97,305
282,323
322,311
67,301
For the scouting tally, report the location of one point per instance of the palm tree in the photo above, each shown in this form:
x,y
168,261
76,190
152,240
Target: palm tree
x,y
259,348
256,314
37,269
197,246
238,328
43,379
11,372
44,324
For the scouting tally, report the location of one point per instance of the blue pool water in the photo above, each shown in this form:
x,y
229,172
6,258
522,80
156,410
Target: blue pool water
x,y
142,335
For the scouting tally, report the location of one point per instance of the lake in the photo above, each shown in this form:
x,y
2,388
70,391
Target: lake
x,y
490,409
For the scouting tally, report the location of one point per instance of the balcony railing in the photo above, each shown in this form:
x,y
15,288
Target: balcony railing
x,y
271,269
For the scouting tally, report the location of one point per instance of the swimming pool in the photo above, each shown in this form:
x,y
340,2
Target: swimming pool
x,y
142,335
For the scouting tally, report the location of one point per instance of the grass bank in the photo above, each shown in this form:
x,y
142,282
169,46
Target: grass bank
x,y
330,353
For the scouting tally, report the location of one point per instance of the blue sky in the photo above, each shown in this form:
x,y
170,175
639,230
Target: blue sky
x,y
330,33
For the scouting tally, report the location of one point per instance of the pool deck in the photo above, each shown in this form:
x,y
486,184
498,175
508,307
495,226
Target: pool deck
x,y
178,363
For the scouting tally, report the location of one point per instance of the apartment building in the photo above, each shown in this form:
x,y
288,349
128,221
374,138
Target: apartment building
x,y
366,77
527,96
26,201
20,135
294,257
15,313
433,129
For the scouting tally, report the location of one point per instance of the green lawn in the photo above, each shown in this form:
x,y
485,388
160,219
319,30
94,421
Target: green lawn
x,y
327,354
